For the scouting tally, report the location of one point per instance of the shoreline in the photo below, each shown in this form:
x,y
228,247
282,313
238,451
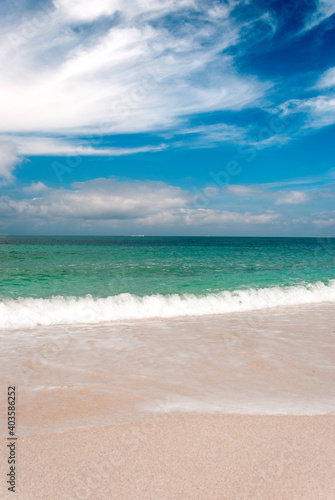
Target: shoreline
x,y
182,456
71,311
265,362
122,411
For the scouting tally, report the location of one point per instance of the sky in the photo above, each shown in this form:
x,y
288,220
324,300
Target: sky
x,y
167,117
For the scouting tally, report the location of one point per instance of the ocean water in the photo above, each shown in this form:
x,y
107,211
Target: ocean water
x,y
74,280
104,327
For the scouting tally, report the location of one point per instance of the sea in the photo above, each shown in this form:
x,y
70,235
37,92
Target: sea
x,y
104,330
71,279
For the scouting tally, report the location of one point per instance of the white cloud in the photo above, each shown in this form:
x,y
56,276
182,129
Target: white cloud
x,y
324,219
325,9
14,148
191,220
207,135
327,79
131,77
246,191
258,137
303,181
210,217
44,146
260,192
87,11
111,206
104,199
291,197
320,110
144,203
9,159
35,188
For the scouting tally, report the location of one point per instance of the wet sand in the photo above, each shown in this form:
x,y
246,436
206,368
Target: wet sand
x,y
223,407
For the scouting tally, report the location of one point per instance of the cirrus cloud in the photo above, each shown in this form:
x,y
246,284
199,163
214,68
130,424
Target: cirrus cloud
x,y
134,74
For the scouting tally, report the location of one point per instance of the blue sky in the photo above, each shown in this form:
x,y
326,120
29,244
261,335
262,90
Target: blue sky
x,y
167,117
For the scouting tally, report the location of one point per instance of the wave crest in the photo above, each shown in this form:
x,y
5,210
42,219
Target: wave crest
x,y
30,312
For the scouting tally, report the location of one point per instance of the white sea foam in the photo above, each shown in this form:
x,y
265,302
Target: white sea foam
x,y
257,404
30,312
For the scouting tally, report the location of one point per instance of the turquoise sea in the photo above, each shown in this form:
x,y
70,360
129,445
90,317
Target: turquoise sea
x,y
61,279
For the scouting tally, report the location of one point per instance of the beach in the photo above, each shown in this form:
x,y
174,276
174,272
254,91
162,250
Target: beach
x,y
238,405
183,456
167,250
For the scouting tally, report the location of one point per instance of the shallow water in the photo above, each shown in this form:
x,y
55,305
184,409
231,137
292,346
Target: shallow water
x,y
107,266
72,280
272,361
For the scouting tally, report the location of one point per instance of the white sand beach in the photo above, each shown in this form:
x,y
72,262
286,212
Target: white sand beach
x,y
228,406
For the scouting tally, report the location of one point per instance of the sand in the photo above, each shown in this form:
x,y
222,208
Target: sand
x,y
182,457
238,406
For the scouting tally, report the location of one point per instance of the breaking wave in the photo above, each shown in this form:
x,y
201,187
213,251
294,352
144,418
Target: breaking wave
x,y
29,312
